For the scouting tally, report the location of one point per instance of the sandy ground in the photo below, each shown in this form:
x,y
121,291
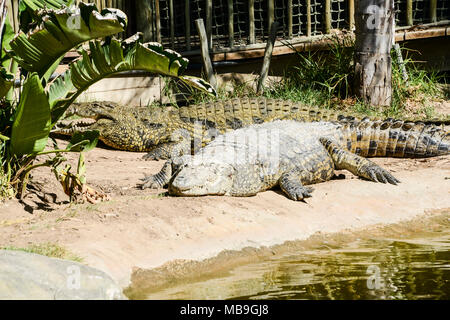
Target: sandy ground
x,y
147,228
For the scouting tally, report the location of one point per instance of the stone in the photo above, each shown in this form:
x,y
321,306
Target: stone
x,y
28,276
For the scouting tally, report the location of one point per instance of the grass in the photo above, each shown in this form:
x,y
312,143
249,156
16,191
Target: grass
x,y
48,249
325,79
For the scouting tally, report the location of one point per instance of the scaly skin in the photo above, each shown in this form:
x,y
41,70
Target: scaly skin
x,y
167,132
293,155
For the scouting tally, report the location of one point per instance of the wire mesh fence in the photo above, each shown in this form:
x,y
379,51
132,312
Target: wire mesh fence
x,y
443,10
246,22
251,19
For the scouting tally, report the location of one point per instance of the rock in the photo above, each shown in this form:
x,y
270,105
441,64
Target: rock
x,y
31,276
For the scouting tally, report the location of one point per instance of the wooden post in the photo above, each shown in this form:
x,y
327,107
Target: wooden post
x,y
187,17
158,21
231,23
251,21
172,24
409,12
209,22
401,62
290,9
144,19
308,18
327,16
351,14
374,38
433,10
267,57
270,13
205,52
3,17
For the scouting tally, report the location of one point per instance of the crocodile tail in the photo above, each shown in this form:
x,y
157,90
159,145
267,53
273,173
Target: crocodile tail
x,y
396,138
239,112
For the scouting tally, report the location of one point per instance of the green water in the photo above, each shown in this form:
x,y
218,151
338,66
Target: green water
x,y
369,269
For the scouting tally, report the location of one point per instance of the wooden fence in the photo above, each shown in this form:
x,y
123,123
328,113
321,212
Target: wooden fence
x,y
241,23
232,24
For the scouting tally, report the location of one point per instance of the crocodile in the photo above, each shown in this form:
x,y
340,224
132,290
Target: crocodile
x,y
164,132
293,155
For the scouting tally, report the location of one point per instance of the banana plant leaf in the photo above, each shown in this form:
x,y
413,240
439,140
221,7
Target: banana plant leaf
x,y
107,58
28,11
60,31
6,35
83,141
32,122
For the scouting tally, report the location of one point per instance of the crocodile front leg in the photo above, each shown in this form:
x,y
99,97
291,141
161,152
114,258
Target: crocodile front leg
x,y
357,165
292,186
168,150
158,180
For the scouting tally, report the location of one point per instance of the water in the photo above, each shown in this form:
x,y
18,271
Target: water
x,y
416,268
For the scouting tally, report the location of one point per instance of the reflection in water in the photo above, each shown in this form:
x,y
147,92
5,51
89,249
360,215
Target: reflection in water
x,y
376,269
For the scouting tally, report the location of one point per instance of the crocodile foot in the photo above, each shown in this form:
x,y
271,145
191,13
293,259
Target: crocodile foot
x,y
159,180
299,193
292,186
151,182
375,173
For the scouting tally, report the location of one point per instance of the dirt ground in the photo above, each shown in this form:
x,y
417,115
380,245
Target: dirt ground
x,y
146,228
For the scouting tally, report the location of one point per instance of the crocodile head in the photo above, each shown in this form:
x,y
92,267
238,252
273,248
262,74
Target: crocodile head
x,y
205,179
124,128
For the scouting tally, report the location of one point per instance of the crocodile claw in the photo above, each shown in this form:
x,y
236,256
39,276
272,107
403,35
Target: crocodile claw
x,y
378,174
150,182
300,193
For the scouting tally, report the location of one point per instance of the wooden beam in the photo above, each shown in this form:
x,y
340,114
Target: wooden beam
x,y
209,22
409,12
3,17
172,24
187,17
327,16
433,10
308,18
351,14
290,21
267,57
373,68
251,21
144,19
158,21
230,23
270,14
205,52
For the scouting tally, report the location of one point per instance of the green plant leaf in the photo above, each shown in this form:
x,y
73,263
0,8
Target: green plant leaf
x,y
6,35
83,141
60,31
4,138
32,122
199,83
28,11
107,58
6,82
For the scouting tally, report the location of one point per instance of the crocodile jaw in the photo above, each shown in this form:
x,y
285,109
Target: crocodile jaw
x,y
201,180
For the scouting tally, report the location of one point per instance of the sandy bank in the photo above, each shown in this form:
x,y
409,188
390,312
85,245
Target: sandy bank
x,y
146,229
